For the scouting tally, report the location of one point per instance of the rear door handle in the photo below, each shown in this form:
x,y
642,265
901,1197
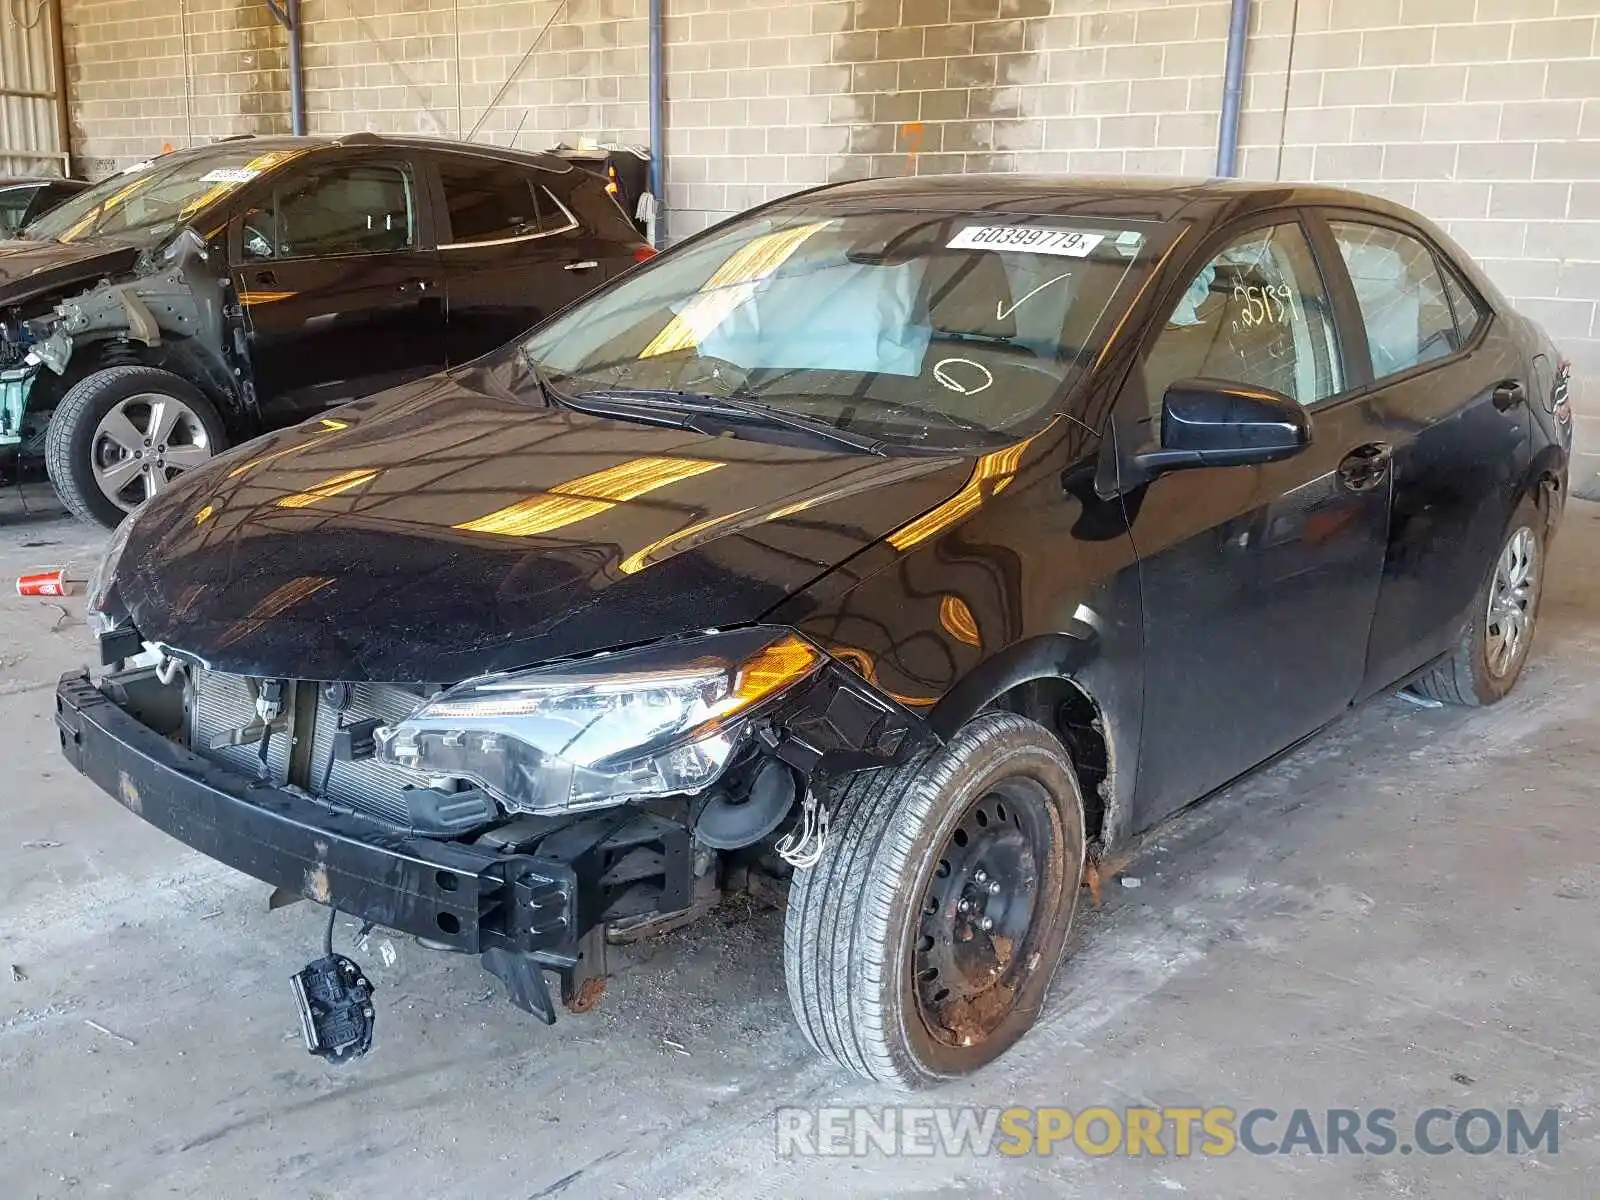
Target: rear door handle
x,y
1366,467
267,278
417,285
1509,393
587,264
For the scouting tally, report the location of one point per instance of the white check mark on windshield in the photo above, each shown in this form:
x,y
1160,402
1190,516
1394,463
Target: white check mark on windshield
x,y
1002,311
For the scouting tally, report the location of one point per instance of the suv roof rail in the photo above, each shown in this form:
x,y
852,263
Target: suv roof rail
x,y
365,138
234,137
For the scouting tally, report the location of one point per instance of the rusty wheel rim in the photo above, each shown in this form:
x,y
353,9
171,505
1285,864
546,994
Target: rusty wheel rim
x,y
982,915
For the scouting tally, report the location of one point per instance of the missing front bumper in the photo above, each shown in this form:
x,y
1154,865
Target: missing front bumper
x,y
527,911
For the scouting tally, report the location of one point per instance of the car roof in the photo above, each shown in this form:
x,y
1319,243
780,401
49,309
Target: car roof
x,y
1151,198
379,141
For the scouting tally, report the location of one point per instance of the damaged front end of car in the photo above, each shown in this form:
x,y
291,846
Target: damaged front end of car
x,y
520,816
165,308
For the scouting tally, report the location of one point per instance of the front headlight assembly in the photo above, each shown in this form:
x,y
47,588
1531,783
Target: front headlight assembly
x,y
104,610
658,721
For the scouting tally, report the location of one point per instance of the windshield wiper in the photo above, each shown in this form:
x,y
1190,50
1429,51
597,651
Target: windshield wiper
x,y
668,400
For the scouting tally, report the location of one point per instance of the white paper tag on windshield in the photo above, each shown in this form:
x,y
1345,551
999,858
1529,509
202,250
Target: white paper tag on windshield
x,y
1031,239
229,175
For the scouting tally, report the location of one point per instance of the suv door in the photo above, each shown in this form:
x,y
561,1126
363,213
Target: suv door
x,y
1258,582
339,283
1452,386
514,252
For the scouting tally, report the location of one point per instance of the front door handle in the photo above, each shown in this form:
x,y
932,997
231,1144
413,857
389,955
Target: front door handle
x,y
587,264
422,286
1366,467
267,278
1509,393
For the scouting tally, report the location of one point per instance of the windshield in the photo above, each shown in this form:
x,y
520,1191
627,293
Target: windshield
x,y
918,329
151,200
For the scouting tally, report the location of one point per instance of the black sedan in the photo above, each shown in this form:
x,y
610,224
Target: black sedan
x,y
196,300
917,541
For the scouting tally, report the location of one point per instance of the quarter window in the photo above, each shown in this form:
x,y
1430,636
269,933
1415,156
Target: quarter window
x,y
1401,294
350,210
1469,315
1256,314
492,202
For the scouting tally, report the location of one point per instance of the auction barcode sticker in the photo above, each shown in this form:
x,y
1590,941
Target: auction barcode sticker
x,y
229,175
1033,239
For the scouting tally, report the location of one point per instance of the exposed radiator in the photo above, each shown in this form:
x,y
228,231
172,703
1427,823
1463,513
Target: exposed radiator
x,y
220,703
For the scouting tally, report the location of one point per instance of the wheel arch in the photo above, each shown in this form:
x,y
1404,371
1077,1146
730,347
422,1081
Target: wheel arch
x,y
184,357
1049,680
1545,482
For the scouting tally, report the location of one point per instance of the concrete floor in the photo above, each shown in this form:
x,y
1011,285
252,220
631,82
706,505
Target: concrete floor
x,y
1402,914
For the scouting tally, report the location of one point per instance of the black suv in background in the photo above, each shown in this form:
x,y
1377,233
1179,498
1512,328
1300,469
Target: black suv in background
x,y
212,294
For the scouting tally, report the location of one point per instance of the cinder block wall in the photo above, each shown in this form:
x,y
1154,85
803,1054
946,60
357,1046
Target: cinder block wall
x,y
1483,113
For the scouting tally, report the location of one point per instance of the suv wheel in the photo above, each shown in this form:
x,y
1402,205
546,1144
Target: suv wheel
x,y
121,435
920,945
1489,660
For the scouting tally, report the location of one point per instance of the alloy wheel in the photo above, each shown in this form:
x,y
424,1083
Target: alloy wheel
x,y
143,444
1512,599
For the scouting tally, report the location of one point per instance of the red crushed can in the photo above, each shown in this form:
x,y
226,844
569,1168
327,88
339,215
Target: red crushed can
x,y
44,583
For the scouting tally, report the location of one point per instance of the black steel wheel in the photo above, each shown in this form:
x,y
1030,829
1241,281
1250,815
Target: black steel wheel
x,y
921,944
979,917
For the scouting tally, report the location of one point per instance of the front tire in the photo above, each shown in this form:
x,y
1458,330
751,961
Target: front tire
x,y
919,947
1489,660
122,435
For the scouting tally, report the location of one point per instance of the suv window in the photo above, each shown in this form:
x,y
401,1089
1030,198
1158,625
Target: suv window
x,y
1401,294
1256,314
345,210
14,202
491,202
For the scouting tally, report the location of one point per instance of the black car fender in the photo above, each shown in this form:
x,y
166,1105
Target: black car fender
x,y
1103,734
173,318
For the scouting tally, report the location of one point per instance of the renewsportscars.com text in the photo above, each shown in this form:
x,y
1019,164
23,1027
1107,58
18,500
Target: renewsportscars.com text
x,y
1160,1132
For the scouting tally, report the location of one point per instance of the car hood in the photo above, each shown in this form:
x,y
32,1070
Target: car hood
x,y
448,529
28,268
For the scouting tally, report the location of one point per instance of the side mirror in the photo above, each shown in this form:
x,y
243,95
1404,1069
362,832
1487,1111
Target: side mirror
x,y
1210,423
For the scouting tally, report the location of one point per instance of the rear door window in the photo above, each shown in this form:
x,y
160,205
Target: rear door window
x,y
496,202
1401,295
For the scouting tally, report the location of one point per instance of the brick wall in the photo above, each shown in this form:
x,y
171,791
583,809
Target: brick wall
x,y
1483,113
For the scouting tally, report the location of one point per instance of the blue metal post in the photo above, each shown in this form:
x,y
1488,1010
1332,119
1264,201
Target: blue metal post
x,y
1233,90
658,150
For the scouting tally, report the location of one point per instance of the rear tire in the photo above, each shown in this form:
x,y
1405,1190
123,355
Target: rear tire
x,y
1489,660
122,434
890,970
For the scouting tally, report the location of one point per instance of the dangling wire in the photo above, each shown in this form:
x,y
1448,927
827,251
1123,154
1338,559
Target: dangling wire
x,y
802,848
327,934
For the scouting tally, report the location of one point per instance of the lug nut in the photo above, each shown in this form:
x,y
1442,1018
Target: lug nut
x,y
980,875
994,888
987,923
964,906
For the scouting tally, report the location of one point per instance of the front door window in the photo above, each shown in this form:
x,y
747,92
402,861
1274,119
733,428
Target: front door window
x,y
348,210
1257,314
